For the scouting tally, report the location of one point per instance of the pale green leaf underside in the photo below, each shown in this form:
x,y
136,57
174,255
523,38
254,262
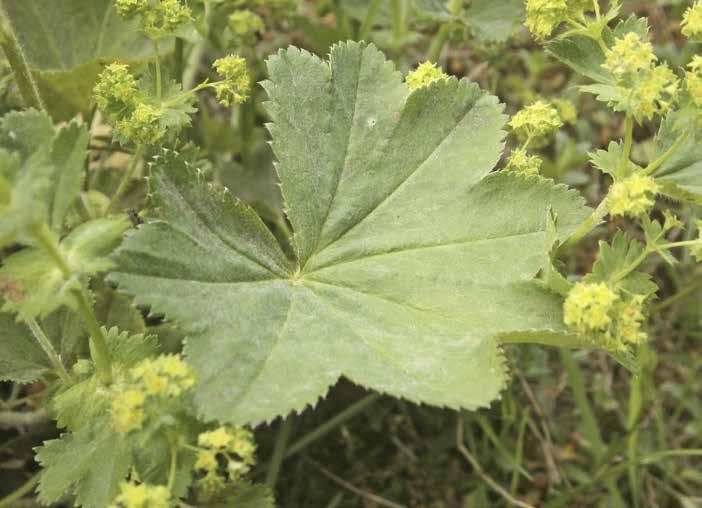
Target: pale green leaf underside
x,y
411,258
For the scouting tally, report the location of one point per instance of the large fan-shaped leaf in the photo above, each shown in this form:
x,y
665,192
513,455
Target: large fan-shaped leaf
x,y
411,258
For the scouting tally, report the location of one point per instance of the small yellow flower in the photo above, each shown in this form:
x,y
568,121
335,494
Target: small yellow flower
x,y
206,461
631,320
587,306
425,74
633,196
628,56
536,121
692,21
210,485
521,162
143,126
142,496
236,84
116,90
130,8
127,410
218,439
693,80
544,16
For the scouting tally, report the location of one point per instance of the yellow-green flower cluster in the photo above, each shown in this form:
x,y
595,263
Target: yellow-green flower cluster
x,y
116,90
632,196
161,378
236,83
117,95
142,495
535,122
233,446
143,126
597,311
544,16
628,56
245,24
692,22
646,88
693,80
425,74
159,18
521,162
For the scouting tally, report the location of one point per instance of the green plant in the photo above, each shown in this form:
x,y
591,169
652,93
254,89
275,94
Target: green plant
x,y
393,255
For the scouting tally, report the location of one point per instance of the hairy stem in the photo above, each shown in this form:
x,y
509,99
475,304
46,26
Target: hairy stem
x,y
99,351
590,223
48,348
18,63
126,178
628,141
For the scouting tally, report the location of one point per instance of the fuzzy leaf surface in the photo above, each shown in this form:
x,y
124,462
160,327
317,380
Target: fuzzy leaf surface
x,y
410,256
21,359
89,463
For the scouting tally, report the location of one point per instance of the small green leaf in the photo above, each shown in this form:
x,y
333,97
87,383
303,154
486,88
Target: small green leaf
x,y
21,359
43,169
89,463
609,161
583,55
614,259
40,284
411,257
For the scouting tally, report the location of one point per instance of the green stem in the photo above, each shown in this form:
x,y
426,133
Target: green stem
x,y
331,424
623,274
178,59
596,5
634,411
281,443
437,44
367,25
686,243
126,178
174,464
628,141
48,348
590,223
11,500
18,63
653,166
157,62
398,23
99,351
